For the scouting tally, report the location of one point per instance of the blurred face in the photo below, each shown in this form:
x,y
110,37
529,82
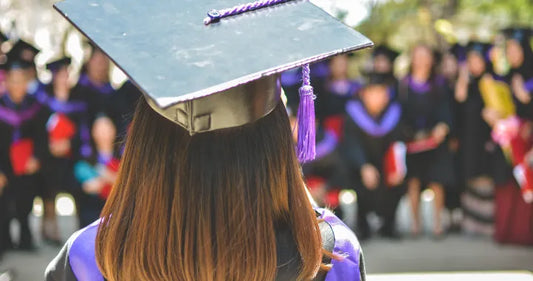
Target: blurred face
x,y
17,84
514,53
61,82
103,132
422,59
375,98
382,64
476,64
449,66
339,67
98,67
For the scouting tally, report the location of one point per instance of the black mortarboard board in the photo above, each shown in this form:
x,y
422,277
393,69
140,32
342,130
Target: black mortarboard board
x,y
386,51
57,64
3,37
25,51
14,61
180,63
458,51
375,78
522,35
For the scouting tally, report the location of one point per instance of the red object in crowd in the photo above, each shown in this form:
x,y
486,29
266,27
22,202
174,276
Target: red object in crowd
x,y
515,134
422,145
332,196
20,153
513,219
112,166
524,176
394,164
335,123
60,127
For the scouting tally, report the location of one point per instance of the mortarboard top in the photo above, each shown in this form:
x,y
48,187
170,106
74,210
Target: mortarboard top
x,y
386,51
14,61
376,78
458,51
176,60
520,34
25,51
3,37
57,64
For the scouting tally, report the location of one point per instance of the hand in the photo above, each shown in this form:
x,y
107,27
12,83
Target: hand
x,y
93,186
3,183
396,179
32,166
528,196
440,132
370,176
491,116
519,90
109,176
60,148
461,86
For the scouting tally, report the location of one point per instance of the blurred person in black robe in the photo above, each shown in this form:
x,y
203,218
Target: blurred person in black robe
x,y
96,172
339,89
371,127
27,52
124,102
68,139
449,65
23,145
383,59
3,200
426,124
94,86
520,78
479,154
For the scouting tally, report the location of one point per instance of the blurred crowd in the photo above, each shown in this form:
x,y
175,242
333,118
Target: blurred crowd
x,y
453,124
458,123
57,138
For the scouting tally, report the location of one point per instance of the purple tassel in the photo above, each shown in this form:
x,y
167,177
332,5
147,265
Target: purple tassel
x,y
305,149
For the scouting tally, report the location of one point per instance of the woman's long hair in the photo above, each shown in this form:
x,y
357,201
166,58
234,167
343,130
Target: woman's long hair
x,y
205,207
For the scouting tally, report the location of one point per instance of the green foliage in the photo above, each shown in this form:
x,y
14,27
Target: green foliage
x,y
402,23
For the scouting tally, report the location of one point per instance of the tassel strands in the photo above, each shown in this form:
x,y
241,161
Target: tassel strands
x,y
306,146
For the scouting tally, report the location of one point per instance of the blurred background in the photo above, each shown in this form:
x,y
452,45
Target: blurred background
x,y
424,143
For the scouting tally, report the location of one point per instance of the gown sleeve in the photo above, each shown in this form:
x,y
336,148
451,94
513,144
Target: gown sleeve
x,y
59,268
77,260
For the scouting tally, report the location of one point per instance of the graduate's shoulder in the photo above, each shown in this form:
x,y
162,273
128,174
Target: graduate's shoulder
x,y
77,259
348,263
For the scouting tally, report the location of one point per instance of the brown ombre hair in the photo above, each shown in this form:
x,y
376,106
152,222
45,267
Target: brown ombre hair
x,y
205,207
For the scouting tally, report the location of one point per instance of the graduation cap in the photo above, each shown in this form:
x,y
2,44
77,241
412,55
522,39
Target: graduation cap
x,y
14,61
385,51
458,51
375,78
481,48
214,72
58,64
521,35
3,37
24,51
